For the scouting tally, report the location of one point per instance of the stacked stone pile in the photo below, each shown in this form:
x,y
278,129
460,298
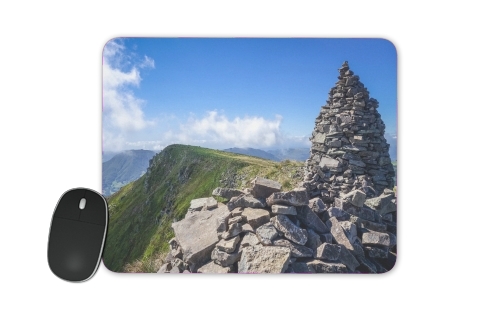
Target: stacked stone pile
x,y
348,149
265,230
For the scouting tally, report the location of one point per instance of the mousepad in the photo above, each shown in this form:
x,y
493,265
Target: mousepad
x,y
250,155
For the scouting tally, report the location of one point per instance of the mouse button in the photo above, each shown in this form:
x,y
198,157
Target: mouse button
x,y
74,249
95,210
67,207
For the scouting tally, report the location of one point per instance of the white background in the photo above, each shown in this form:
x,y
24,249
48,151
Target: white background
x,y
50,127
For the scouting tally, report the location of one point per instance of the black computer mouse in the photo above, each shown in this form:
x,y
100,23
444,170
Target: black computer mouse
x,y
77,234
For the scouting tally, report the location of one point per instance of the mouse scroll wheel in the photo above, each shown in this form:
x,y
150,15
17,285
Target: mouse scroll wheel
x,y
83,202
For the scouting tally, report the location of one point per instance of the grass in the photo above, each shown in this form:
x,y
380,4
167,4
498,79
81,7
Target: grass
x,y
142,212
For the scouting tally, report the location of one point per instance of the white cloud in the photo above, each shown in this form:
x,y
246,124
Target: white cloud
x,y
215,130
123,111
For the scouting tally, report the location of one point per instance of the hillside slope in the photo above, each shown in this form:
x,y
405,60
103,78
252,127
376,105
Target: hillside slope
x,y
123,168
141,213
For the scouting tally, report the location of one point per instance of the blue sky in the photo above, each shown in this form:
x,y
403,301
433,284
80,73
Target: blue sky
x,y
233,92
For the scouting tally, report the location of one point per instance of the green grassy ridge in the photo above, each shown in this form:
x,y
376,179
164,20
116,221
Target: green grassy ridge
x,y
142,212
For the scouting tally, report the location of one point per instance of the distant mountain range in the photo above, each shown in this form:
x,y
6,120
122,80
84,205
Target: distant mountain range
x,y
298,154
123,168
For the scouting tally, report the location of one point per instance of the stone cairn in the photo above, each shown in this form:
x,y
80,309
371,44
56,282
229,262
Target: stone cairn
x,y
348,149
265,230
341,218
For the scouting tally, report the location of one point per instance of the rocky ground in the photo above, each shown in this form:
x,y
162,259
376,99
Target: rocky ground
x,y
265,230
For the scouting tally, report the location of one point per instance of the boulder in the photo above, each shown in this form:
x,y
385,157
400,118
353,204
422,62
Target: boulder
x,y
249,239
285,210
228,245
294,233
310,219
376,238
302,267
382,204
197,234
328,252
233,230
266,233
291,198
356,197
317,205
319,266
264,259
213,267
256,217
338,233
235,220
376,252
247,228
350,230
245,201
200,203
313,240
347,258
297,251
226,193
263,188
225,259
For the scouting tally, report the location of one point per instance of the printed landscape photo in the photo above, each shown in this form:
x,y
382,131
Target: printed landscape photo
x,y
250,155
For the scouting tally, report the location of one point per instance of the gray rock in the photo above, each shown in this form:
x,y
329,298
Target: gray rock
x,y
328,252
290,230
245,201
235,220
259,259
319,138
368,214
376,252
286,210
263,188
376,238
233,230
291,198
197,234
225,259
228,245
227,193
199,203
330,163
326,238
347,258
213,267
349,230
237,211
317,205
297,251
256,217
356,197
266,233
311,220
247,228
319,266
338,233
382,204
249,239
313,239
366,266
222,222
302,267
338,213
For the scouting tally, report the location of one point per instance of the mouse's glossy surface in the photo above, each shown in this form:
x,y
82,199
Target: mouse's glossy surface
x,y
77,236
